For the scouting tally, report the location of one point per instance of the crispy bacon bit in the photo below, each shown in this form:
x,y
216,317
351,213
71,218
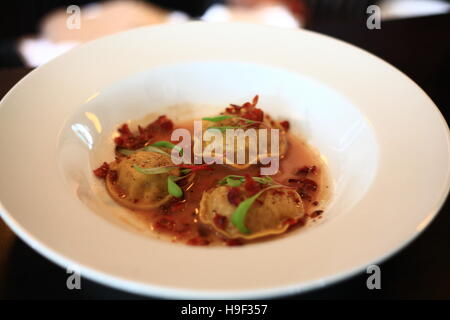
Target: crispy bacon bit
x,y
234,196
252,113
306,170
113,175
303,194
197,241
128,140
248,110
255,100
233,242
285,124
102,171
144,135
162,123
164,224
309,185
220,221
305,184
316,213
232,109
251,186
124,130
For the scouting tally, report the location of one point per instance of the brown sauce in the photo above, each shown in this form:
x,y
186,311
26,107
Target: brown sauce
x,y
178,220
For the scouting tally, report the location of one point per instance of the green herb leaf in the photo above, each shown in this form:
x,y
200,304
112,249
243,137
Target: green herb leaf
x,y
218,118
238,216
236,181
263,180
169,145
150,148
224,128
248,120
173,188
154,149
225,117
158,170
232,181
126,152
164,144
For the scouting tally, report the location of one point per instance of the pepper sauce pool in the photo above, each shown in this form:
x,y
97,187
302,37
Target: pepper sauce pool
x,y
178,221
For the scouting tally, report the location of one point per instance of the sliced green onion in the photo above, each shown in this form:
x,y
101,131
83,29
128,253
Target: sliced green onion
x,y
236,181
151,148
263,180
173,188
238,216
129,152
225,117
158,170
169,145
223,128
126,152
248,120
232,181
218,118
164,144
155,147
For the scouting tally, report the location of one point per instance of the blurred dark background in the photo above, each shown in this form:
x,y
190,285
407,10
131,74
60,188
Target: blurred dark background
x,y
414,37
32,32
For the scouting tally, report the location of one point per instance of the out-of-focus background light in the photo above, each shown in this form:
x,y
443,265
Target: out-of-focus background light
x,y
396,9
51,36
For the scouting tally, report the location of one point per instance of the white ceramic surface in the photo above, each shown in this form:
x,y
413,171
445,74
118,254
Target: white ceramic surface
x,y
385,142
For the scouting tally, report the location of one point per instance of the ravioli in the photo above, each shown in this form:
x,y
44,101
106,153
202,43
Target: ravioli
x,y
136,190
246,117
271,213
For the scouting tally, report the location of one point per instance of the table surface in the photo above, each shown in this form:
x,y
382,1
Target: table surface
x,y
419,47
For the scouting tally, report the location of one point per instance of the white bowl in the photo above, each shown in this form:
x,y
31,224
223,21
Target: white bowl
x,y
385,142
